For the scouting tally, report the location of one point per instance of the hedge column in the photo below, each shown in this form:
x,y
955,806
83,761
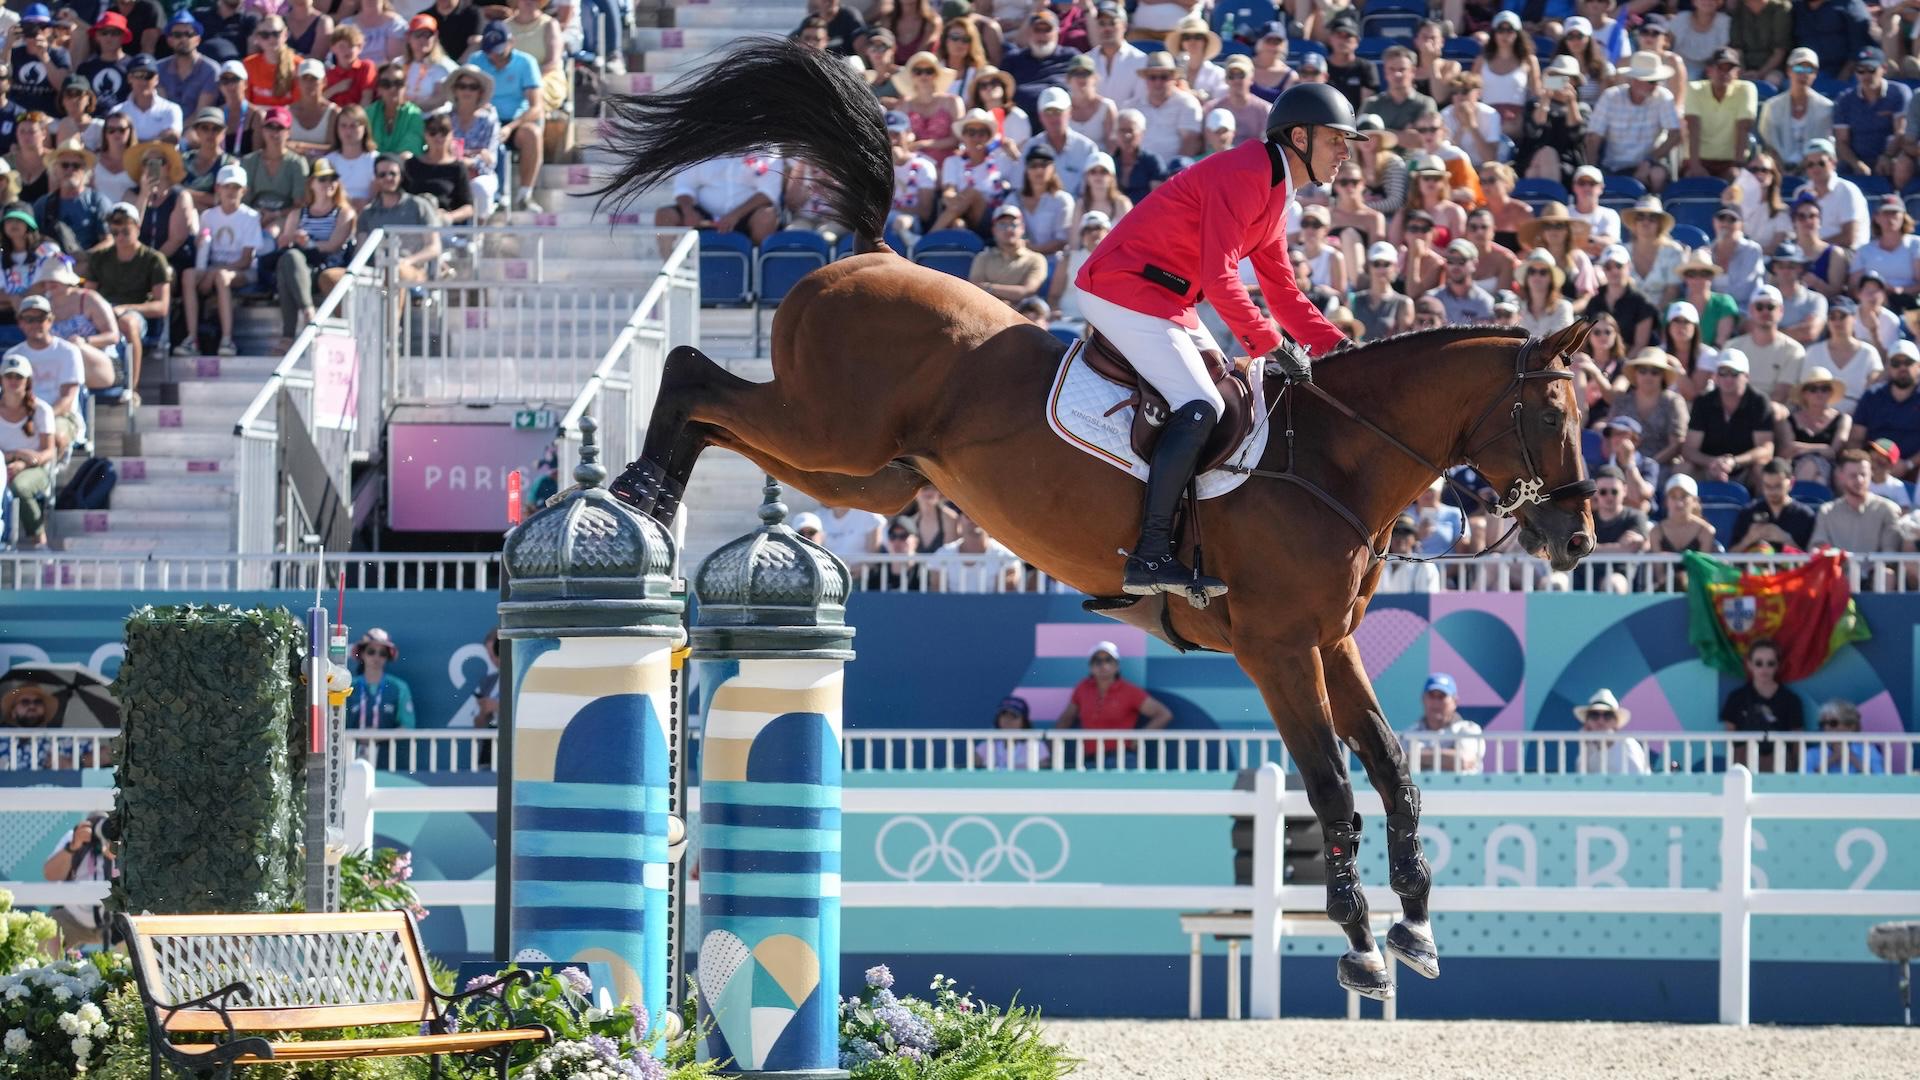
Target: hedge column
x,y
771,642
588,625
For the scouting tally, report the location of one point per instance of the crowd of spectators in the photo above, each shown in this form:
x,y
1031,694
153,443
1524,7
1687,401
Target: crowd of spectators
x,y
1723,188
154,166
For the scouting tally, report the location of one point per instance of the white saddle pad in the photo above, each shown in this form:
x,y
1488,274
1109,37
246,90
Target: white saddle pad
x,y
1078,411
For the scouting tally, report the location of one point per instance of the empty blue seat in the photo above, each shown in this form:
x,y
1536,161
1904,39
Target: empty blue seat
x,y
843,247
1791,183
1690,236
1394,26
1298,46
1872,186
948,261
1723,518
1811,492
1724,492
1407,7
1695,212
1831,87
1067,337
1694,187
1370,48
951,240
726,269
1231,17
1621,185
785,258
1463,49
1529,187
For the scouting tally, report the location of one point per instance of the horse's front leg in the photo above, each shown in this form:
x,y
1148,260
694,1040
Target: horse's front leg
x,y
1292,681
1359,722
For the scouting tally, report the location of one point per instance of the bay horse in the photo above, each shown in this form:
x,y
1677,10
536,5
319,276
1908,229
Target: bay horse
x,y
889,376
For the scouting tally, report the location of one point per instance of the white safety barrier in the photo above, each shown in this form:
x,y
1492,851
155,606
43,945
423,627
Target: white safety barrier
x,y
1734,899
55,571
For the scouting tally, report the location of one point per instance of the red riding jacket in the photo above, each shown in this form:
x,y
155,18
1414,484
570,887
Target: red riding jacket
x,y
1185,241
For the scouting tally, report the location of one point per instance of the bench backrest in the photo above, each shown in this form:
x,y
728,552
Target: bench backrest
x,y
305,971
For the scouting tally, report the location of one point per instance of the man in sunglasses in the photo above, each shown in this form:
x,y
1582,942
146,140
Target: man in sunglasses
x,y
1791,119
1870,121
1775,357
39,67
188,79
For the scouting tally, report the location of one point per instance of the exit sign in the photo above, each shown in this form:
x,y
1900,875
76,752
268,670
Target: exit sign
x,y
530,419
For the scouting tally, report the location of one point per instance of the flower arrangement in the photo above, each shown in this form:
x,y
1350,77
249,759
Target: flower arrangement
x,y
21,933
51,1023
590,1043
378,881
953,1037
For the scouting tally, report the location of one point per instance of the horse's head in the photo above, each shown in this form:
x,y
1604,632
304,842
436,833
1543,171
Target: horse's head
x,y
1527,445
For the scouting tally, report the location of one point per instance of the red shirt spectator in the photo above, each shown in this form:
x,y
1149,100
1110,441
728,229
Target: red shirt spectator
x,y
1103,701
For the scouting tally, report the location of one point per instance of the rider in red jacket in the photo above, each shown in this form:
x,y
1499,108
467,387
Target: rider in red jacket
x,y
1184,242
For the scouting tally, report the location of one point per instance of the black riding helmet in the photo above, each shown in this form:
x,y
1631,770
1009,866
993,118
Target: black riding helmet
x,y
1311,105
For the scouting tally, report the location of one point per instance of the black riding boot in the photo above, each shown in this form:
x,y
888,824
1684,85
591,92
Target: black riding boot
x,y
1152,566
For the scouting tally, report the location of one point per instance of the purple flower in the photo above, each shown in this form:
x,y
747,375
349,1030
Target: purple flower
x,y
603,1046
481,980
403,867
907,1029
648,1066
879,977
576,981
642,1022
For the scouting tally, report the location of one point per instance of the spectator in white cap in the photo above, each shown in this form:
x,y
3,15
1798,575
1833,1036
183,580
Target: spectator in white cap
x,y
1103,701
1009,270
916,180
1072,151
1603,222
81,318
1791,120
27,432
1382,310
231,230
1621,298
1063,295
57,367
1506,308
1775,360
1682,528
1465,302
311,115
1730,430
1217,132
1101,191
135,280
807,524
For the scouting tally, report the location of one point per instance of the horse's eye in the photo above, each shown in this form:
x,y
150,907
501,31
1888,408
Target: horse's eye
x,y
1553,417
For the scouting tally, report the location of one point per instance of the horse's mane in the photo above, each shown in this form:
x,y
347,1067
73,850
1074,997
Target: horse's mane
x,y
1435,336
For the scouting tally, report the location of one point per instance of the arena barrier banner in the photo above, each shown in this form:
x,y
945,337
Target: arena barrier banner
x,y
1522,661
453,477
1093,961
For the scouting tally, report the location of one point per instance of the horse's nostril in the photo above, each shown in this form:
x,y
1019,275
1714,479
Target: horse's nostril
x,y
1580,543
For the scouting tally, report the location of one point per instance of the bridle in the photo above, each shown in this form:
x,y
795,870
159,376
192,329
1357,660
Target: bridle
x,y
1528,490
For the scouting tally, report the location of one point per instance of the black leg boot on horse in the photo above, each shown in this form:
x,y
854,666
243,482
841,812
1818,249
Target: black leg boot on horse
x,y
1411,938
1153,566
1361,969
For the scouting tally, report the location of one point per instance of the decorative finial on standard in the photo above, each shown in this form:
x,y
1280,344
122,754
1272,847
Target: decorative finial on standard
x,y
772,510
589,473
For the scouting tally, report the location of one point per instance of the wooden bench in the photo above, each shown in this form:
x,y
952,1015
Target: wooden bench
x,y
237,977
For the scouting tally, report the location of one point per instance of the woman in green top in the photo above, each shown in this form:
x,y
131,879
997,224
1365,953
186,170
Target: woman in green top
x,y
398,125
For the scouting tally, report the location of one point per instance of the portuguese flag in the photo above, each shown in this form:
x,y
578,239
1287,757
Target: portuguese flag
x,y
1808,610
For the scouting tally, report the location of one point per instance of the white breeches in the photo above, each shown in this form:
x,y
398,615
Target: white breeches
x,y
1165,353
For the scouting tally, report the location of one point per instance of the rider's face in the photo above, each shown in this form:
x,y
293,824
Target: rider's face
x,y
1330,150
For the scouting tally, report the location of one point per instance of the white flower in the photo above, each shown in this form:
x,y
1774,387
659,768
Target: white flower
x,y
16,1041
16,992
100,1030
62,994
89,1013
82,1049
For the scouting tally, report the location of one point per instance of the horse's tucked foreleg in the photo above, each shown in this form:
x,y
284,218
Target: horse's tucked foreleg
x,y
1358,721
655,482
1293,683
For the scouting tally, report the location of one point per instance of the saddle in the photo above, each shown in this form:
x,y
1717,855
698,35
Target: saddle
x,y
1151,410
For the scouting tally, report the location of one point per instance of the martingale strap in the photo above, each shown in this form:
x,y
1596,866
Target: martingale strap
x,y
1528,490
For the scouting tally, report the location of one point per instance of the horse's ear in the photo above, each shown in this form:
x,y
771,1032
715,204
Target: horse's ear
x,y
1562,343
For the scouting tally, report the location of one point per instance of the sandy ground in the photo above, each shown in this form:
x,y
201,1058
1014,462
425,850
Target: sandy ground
x,y
1483,1050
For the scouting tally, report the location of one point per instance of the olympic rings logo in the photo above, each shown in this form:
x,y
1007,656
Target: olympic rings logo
x,y
941,848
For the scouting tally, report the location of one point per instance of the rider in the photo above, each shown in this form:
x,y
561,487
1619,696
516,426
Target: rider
x,y
1186,241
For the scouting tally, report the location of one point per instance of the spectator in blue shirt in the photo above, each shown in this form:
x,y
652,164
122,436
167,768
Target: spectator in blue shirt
x,y
1842,717
73,202
1891,410
516,97
1835,29
1041,64
188,78
1870,121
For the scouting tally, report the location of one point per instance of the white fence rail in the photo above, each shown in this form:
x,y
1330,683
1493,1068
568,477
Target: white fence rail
x,y
368,571
1733,899
1505,752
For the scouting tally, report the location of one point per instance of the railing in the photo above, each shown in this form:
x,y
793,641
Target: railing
x,y
267,515
429,751
950,572
1503,752
621,391
370,571
1881,572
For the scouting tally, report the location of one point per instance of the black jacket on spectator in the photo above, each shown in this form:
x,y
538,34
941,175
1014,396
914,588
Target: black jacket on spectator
x,y
142,16
109,81
1147,169
446,186
231,31
841,30
457,28
1629,311
1355,80
1836,29
1734,434
1797,518
1610,530
33,85
1746,710
1032,74
9,116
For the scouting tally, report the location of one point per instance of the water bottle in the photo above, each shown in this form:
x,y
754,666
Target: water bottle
x,y
1226,25
203,251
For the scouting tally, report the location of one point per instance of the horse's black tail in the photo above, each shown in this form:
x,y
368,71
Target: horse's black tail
x,y
766,94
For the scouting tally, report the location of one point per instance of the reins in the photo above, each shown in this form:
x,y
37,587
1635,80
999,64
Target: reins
x,y
1528,490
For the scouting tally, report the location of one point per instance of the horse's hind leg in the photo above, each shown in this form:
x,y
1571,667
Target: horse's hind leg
x,y
1359,722
1293,684
889,491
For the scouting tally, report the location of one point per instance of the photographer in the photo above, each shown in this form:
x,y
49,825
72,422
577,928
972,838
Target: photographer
x,y
82,855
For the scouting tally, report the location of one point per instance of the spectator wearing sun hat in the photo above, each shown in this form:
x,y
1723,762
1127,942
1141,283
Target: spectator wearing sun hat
x,y
381,700
106,69
1614,755
1635,124
73,202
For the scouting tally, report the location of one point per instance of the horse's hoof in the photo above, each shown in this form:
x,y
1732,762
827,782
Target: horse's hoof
x,y
1366,974
1412,944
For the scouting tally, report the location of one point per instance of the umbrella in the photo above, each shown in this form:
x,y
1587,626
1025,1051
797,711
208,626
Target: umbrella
x,y
82,698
